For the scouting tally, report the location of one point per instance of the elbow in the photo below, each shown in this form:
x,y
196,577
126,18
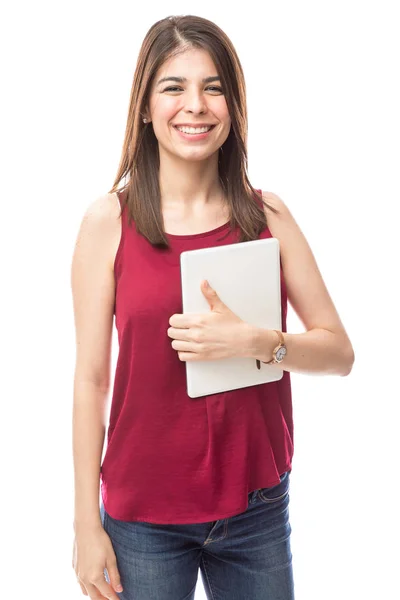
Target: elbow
x,y
348,363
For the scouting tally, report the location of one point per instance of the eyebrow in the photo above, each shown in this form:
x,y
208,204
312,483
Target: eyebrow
x,y
183,79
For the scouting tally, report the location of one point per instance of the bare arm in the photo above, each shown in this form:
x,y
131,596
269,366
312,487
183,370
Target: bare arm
x,y
88,441
93,288
315,352
325,347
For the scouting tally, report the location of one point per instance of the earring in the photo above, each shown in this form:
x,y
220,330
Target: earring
x,y
144,120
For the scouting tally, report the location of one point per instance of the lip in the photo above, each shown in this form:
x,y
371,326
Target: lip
x,y
194,137
193,124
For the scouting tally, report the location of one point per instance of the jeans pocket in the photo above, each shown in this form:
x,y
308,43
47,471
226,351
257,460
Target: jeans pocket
x,y
277,492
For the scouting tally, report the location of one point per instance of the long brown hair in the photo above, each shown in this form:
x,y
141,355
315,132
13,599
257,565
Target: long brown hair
x,y
140,155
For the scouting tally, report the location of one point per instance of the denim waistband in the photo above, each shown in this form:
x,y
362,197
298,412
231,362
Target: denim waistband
x,y
252,496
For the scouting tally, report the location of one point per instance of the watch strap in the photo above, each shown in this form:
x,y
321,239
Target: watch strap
x,y
281,343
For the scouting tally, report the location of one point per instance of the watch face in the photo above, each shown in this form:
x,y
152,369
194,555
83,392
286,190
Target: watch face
x,y
280,354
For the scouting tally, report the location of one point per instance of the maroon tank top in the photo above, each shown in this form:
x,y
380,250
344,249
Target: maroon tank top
x,y
171,458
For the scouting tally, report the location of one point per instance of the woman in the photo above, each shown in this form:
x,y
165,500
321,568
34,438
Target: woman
x,y
186,483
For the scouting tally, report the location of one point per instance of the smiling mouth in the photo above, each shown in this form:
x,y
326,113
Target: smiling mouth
x,y
211,128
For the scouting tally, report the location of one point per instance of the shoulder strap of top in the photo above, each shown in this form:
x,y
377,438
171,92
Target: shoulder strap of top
x,y
118,256
258,199
121,195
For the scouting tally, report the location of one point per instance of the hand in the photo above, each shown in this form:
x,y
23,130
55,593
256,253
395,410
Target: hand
x,y
216,334
92,553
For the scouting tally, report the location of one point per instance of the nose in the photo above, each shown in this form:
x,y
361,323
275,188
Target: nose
x,y
195,103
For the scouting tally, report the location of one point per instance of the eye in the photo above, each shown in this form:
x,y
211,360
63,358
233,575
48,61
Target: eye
x,y
210,87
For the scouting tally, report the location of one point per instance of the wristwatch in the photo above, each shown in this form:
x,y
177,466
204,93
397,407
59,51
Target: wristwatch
x,y
278,353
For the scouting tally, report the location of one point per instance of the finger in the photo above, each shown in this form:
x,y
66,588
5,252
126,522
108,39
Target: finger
x,y
83,588
95,594
105,588
187,356
113,575
178,334
185,321
184,346
99,590
178,320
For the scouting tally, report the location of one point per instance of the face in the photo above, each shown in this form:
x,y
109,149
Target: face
x,y
190,101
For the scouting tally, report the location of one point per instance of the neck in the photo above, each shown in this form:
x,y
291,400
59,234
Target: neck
x,y
188,184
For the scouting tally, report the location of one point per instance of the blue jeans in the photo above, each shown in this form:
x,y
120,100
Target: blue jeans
x,y
244,557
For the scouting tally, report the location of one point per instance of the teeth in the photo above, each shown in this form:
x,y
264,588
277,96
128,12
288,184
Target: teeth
x,y
194,130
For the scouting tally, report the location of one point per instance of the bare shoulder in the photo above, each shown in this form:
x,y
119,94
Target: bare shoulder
x,y
275,201
282,224
93,288
306,288
103,209
270,196
102,220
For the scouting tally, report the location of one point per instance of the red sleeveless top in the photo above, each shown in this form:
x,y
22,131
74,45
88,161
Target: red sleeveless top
x,y
171,458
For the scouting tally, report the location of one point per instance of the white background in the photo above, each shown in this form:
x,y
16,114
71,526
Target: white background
x,y
323,99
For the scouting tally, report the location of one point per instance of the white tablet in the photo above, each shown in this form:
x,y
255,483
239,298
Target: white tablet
x,y
246,276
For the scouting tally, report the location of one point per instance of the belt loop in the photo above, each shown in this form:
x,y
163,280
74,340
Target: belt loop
x,y
254,496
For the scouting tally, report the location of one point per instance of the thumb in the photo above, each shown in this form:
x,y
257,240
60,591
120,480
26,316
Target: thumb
x,y
115,579
211,295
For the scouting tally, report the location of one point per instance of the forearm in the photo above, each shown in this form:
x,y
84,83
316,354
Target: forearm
x,y
317,351
88,441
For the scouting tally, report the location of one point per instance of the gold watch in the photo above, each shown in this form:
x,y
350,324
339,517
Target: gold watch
x,y
278,353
